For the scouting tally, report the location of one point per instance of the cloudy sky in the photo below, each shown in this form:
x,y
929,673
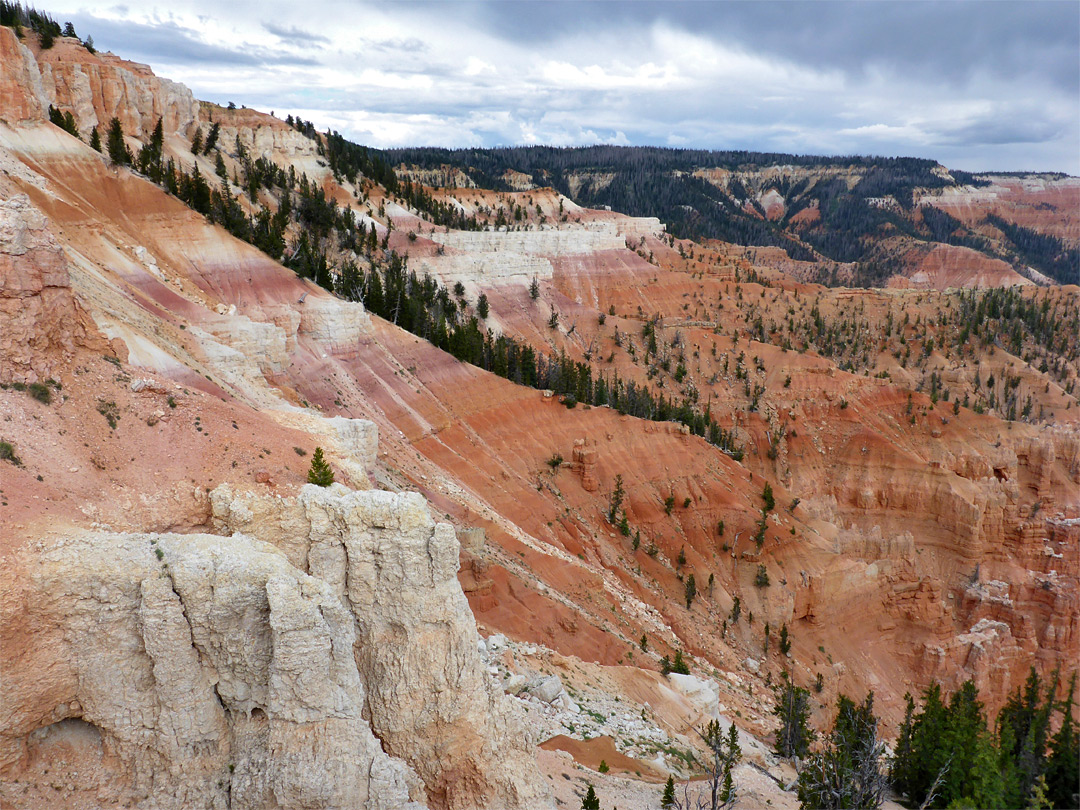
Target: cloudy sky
x,y
976,85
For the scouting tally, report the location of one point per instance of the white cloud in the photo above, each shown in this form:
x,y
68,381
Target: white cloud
x,y
469,75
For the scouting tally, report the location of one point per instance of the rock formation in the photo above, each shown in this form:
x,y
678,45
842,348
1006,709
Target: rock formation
x,y
252,670
427,695
209,670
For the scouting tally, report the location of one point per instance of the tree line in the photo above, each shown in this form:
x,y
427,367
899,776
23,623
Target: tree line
x,y
947,754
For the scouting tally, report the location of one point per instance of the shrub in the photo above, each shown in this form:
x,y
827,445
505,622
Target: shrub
x,y
320,473
110,411
555,462
768,498
40,392
7,453
762,577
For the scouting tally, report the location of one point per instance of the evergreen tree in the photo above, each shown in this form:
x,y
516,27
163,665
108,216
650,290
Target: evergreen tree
x,y
534,289
966,725
95,139
482,307
590,802
667,801
793,708
1029,719
320,472
986,785
211,138
117,149
617,496
197,142
690,590
1063,765
847,772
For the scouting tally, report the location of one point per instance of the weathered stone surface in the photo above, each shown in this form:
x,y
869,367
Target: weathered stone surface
x,y
40,322
427,694
216,673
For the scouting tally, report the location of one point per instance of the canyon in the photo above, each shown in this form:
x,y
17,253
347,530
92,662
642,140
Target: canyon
x,y
456,622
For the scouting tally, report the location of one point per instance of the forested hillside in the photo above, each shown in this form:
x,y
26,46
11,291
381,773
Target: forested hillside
x,y
852,209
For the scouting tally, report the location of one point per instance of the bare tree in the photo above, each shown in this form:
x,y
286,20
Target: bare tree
x,y
717,790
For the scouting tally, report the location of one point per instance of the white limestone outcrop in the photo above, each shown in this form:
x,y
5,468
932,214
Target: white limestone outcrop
x,y
427,695
216,674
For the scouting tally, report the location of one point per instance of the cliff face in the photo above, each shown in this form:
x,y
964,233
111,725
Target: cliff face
x,y
94,87
213,671
40,322
428,697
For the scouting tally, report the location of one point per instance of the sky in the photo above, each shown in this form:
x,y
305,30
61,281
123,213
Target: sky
x,y
979,86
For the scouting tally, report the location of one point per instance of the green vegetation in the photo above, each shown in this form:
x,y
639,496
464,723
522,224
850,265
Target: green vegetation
x,y
761,579
690,590
7,453
320,472
678,665
40,392
848,770
617,496
947,755
793,709
110,411
115,146
667,801
65,120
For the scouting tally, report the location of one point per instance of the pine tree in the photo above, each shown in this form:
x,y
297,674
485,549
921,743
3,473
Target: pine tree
x,y
668,800
616,499
847,771
1063,765
590,802
320,472
767,497
793,708
534,289
95,139
986,786
118,151
196,142
482,307
966,724
211,138
690,590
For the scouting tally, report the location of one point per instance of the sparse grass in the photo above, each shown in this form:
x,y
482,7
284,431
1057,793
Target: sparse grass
x,y
114,360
